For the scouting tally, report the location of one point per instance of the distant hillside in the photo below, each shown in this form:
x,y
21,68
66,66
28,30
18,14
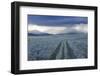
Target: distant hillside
x,y
43,34
72,33
37,33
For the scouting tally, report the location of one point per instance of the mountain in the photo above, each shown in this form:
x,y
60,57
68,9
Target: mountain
x,y
72,32
37,33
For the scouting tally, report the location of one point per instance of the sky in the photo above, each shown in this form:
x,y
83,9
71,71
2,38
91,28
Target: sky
x,y
56,24
55,20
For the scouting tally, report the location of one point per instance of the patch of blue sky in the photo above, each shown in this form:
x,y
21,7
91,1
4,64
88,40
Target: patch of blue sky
x,y
44,20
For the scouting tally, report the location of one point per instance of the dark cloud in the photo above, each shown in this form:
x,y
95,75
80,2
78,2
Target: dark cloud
x,y
56,20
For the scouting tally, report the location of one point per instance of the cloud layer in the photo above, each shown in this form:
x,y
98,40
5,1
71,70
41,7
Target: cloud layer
x,y
56,20
57,29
